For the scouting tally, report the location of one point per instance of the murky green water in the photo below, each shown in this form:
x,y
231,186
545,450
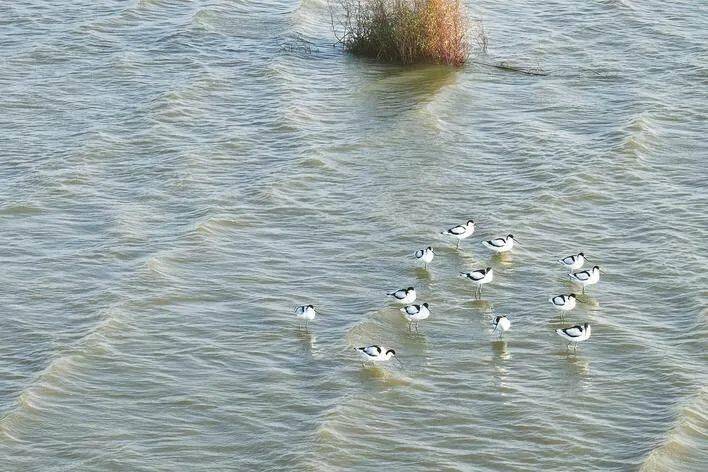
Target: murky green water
x,y
176,176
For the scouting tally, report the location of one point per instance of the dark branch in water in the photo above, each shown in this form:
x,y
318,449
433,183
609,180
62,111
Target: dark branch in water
x,y
298,44
511,68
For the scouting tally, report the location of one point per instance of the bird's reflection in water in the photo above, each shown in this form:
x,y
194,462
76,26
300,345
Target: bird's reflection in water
x,y
416,346
482,306
588,301
578,366
386,375
560,321
423,274
307,339
416,339
499,346
503,258
500,361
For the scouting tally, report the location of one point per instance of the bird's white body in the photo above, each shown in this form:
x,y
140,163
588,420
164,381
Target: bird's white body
x,y
479,277
573,262
460,232
404,296
425,255
500,244
375,353
501,324
575,334
563,302
305,312
416,312
586,277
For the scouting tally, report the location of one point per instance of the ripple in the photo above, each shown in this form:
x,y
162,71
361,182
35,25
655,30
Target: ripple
x,y
179,175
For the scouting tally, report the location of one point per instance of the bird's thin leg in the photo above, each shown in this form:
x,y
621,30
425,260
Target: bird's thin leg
x,y
409,325
568,346
458,244
416,326
426,266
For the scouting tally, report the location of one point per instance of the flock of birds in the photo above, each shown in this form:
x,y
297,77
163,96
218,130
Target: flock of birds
x,y
414,314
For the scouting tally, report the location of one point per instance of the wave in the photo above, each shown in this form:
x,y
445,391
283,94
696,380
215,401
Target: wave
x,y
641,134
684,447
19,209
52,381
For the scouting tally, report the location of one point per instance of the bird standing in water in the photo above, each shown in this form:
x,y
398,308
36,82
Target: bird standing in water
x,y
426,255
305,312
460,231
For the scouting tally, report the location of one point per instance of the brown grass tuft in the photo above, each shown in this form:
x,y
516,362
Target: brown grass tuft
x,y
403,31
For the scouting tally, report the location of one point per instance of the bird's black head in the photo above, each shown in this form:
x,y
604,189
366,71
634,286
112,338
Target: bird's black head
x,y
425,304
311,307
596,268
498,318
430,248
488,269
470,222
572,295
391,351
510,236
581,254
409,289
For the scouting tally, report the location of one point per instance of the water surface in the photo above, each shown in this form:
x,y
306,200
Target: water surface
x,y
176,176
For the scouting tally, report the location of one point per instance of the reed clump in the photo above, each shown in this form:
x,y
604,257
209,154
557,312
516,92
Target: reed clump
x,y
403,31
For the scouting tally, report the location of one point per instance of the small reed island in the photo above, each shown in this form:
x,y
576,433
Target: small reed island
x,y
403,31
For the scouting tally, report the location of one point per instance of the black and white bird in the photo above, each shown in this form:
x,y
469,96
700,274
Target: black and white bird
x,y
426,255
586,277
376,354
415,313
500,244
573,262
575,334
501,324
405,296
460,231
480,277
564,302
305,312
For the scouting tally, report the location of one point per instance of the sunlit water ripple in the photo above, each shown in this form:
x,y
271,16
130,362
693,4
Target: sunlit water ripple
x,y
178,175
